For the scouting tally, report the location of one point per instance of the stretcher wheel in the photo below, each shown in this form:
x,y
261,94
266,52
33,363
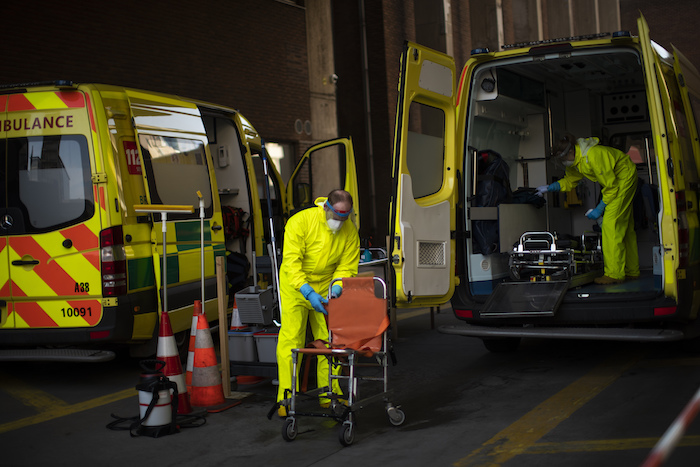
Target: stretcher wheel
x,y
346,434
396,416
289,429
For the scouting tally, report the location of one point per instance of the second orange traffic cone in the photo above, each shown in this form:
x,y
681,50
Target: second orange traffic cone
x,y
193,337
206,380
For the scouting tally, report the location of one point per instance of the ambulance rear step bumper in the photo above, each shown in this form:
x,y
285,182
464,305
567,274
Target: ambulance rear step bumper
x,y
56,355
601,334
521,299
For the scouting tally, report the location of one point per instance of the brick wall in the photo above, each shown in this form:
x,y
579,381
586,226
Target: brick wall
x,y
670,22
251,55
245,54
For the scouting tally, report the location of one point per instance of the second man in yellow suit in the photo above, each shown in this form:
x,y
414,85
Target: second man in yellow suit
x,y
617,176
319,246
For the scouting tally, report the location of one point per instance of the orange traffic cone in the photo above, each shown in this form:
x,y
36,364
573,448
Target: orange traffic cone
x,y
207,390
167,352
236,324
193,337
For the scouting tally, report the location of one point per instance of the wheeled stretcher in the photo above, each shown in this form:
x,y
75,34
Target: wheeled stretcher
x,y
541,256
356,352
542,269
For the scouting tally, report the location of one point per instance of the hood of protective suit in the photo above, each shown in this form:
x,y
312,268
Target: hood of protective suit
x,y
585,144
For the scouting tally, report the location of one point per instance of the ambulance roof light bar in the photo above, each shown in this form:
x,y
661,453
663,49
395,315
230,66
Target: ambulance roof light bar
x,y
584,37
59,83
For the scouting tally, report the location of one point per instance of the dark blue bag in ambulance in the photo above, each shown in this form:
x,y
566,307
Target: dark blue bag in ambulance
x,y
492,189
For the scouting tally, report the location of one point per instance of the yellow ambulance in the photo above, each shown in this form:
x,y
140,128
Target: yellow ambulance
x,y
80,267
468,227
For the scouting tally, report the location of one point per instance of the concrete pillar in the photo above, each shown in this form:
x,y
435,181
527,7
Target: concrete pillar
x,y
324,120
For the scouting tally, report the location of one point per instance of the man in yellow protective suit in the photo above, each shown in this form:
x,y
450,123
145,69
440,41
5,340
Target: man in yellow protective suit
x,y
319,246
617,176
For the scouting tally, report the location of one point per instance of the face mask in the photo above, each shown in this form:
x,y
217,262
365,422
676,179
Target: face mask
x,y
334,225
567,163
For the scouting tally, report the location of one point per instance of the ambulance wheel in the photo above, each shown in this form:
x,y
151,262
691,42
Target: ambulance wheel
x,y
396,416
289,429
346,434
502,344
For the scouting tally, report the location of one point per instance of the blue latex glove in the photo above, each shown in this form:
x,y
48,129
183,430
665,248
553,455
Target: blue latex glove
x,y
314,298
597,212
554,187
336,290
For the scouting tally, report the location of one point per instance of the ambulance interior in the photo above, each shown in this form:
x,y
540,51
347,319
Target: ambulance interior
x,y
226,147
517,108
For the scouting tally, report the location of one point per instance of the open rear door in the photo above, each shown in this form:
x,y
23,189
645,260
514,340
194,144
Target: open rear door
x,y
425,180
666,166
324,167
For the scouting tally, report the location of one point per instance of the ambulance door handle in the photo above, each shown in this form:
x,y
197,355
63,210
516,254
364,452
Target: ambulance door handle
x,y
19,262
216,227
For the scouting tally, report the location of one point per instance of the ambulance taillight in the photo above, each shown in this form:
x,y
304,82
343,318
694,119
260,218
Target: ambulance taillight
x,y
113,261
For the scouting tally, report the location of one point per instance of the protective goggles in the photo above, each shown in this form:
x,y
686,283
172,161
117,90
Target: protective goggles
x,y
341,214
564,152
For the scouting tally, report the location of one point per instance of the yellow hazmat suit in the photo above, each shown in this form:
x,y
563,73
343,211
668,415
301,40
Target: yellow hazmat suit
x,y
315,255
617,176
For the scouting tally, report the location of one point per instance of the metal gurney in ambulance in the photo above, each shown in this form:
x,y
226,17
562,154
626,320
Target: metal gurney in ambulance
x,y
543,268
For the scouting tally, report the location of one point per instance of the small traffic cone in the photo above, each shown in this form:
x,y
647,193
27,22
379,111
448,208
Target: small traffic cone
x,y
167,352
236,324
193,337
207,390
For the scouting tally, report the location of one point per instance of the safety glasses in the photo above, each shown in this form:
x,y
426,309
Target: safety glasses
x,y
341,214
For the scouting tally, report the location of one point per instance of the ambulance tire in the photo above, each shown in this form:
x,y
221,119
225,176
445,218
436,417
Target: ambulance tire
x,y
502,344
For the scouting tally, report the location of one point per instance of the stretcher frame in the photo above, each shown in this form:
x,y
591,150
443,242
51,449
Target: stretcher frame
x,y
538,257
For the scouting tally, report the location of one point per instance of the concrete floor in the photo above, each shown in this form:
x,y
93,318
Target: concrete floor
x,y
573,403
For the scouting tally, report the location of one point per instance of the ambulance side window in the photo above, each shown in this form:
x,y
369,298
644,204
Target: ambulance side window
x,y
176,168
425,149
49,181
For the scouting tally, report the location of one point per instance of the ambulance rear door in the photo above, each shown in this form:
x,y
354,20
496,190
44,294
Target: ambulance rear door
x,y
672,218
324,167
50,274
682,90
5,217
425,177
171,140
